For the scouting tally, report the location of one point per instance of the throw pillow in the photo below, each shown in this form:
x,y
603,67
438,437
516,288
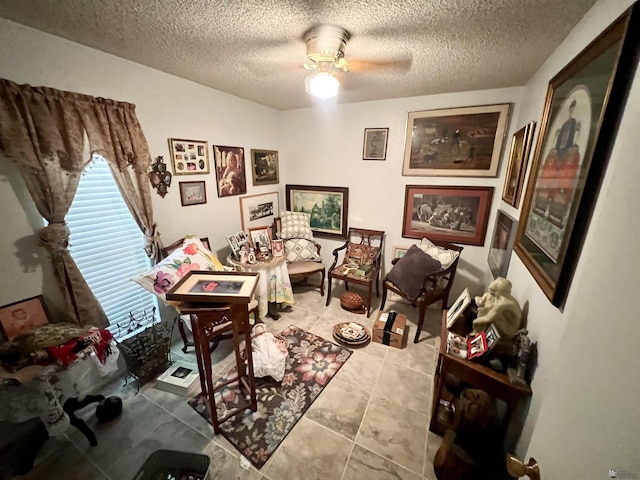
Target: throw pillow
x,y
295,225
301,250
412,270
193,255
445,256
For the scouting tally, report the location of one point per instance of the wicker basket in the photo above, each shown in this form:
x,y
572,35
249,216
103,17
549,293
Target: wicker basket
x,y
168,463
147,353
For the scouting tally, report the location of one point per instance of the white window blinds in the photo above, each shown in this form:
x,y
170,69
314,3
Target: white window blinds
x,y
108,246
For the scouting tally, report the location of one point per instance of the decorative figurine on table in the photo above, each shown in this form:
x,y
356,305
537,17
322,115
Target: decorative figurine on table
x,y
244,254
522,347
497,306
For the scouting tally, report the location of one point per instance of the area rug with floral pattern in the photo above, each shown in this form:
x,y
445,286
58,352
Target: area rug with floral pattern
x,y
311,364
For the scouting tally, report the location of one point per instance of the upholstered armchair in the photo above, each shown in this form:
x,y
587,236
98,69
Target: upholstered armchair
x,y
423,276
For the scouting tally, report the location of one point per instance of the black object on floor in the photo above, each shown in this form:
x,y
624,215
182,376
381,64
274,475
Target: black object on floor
x,y
19,446
174,464
73,404
108,409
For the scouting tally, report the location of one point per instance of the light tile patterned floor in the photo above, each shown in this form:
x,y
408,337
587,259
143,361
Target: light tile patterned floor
x,y
371,422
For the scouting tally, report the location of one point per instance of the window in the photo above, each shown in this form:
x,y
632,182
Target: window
x,y
108,246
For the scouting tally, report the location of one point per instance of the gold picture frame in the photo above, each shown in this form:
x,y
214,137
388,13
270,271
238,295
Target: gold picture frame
x,y
189,157
518,160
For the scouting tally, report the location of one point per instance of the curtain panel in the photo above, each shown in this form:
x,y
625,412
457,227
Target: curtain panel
x,y
43,130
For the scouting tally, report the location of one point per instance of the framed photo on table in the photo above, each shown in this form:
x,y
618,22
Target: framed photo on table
x,y
455,142
189,157
518,159
260,236
259,210
328,206
375,144
236,241
453,214
504,236
23,316
264,167
192,193
583,107
214,287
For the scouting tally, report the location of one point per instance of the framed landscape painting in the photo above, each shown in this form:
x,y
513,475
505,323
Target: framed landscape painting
x,y
518,159
328,207
453,214
504,235
583,107
259,210
455,142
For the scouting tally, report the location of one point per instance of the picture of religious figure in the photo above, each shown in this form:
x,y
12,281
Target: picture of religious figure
x,y
230,171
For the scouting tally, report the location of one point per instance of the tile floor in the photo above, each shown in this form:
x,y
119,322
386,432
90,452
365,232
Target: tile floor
x,y
370,422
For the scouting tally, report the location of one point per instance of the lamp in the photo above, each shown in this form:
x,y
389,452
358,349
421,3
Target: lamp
x,y
322,84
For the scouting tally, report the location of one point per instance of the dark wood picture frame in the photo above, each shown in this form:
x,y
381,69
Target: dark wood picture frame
x,y
518,160
456,142
22,316
193,193
328,207
374,146
264,167
589,95
504,236
193,287
450,213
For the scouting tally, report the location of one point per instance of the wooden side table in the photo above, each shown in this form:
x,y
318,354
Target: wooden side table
x,y
209,321
479,376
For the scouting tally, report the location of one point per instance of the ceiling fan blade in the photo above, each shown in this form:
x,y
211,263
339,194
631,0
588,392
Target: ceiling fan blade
x,y
358,65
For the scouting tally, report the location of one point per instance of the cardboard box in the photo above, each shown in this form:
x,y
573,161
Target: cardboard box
x,y
393,334
181,378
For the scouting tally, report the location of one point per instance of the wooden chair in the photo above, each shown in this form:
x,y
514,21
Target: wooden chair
x,y
435,287
363,247
222,334
303,269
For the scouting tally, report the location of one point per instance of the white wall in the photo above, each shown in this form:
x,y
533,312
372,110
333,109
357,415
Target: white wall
x,y
584,417
324,147
167,107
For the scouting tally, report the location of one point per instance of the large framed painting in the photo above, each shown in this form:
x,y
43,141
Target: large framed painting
x,y
259,210
453,214
518,159
328,207
264,167
455,142
504,236
583,107
230,171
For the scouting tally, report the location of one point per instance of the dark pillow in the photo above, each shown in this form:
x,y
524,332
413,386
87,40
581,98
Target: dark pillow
x,y
412,270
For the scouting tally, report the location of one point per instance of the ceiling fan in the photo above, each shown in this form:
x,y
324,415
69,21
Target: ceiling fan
x,y
325,50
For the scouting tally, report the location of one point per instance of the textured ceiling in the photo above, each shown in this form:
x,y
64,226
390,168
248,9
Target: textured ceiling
x,y
254,49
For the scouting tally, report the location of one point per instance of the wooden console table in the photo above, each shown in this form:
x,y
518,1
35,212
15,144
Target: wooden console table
x,y
479,376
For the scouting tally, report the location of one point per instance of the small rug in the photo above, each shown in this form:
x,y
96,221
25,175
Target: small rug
x,y
311,364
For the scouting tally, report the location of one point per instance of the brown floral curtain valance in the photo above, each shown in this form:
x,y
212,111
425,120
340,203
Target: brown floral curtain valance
x,y
43,130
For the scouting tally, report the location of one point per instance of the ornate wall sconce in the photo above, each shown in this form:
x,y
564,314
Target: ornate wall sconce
x,y
159,176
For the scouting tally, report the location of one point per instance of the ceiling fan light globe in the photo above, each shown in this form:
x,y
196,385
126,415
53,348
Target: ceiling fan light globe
x,y
322,85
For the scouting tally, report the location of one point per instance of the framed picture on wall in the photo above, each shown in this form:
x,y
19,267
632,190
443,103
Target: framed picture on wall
x,y
518,159
230,172
375,144
455,142
504,235
189,157
23,316
583,108
264,167
453,214
259,210
328,207
193,193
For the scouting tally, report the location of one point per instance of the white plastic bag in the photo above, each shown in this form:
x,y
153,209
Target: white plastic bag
x,y
269,353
